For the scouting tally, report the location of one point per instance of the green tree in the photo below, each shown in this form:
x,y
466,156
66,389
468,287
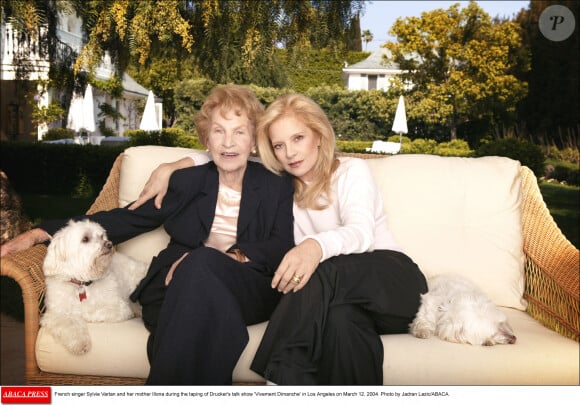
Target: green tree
x,y
163,42
233,35
552,108
367,36
126,28
189,97
460,64
229,41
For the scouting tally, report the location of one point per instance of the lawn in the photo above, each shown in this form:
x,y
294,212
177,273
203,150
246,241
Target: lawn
x,y
563,202
43,207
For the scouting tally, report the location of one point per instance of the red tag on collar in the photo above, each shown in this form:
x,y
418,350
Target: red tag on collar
x,y
82,294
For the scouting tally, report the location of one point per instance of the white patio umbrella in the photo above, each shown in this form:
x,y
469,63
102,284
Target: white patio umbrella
x,y
75,113
149,119
399,126
400,123
88,112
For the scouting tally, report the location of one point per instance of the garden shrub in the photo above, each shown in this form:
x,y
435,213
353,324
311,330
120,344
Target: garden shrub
x,y
528,154
355,115
188,98
564,172
58,133
165,137
397,138
353,146
456,147
422,146
57,169
570,154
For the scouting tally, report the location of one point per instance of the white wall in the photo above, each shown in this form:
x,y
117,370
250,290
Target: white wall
x,y
358,81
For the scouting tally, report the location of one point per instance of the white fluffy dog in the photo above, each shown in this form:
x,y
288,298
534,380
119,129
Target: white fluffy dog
x,y
456,310
86,281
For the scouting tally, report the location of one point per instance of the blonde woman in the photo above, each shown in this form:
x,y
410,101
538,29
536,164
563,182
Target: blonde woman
x,y
346,281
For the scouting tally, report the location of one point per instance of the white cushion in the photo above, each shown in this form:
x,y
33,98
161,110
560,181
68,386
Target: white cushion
x,y
120,350
459,215
138,163
539,357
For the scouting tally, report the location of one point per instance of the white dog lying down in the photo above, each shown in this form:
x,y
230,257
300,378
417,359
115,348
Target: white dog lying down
x,y
86,281
456,310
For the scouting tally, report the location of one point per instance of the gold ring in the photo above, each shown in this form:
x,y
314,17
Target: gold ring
x,y
297,279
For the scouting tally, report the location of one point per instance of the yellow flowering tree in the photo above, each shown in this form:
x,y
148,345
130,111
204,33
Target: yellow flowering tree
x,y
460,63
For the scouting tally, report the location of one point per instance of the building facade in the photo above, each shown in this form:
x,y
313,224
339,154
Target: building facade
x,y
24,62
374,73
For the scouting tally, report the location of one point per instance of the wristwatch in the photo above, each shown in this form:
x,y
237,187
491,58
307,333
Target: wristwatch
x,y
240,256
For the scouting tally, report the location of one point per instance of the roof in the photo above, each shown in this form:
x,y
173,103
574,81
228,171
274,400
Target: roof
x,y
131,86
374,62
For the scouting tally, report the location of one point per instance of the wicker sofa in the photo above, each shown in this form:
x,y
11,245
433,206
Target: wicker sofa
x,y
537,284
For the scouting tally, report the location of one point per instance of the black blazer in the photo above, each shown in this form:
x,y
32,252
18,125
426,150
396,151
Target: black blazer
x,y
265,225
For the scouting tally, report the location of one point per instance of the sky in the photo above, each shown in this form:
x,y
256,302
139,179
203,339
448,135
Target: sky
x,y
380,15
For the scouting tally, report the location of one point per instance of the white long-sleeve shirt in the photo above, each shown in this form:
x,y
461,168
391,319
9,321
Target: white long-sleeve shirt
x,y
354,222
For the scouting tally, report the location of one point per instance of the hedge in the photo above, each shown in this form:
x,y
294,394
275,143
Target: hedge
x,y
57,168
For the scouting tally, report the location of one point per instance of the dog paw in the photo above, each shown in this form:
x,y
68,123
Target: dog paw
x,y
79,346
421,333
421,328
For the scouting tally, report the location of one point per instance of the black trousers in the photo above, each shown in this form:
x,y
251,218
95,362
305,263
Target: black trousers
x,y
328,333
198,323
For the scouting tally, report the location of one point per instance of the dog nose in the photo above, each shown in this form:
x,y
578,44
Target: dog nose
x,y
512,339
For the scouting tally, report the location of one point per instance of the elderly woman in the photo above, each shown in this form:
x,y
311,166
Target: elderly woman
x,y
230,223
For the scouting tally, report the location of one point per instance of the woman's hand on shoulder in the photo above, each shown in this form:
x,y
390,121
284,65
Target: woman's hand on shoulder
x,y
158,182
297,267
24,241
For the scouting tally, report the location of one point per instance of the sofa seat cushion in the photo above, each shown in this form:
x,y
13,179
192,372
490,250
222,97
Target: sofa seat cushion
x,y
458,215
540,356
120,350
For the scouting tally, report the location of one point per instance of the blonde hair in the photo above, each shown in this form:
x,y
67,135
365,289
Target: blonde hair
x,y
228,98
306,110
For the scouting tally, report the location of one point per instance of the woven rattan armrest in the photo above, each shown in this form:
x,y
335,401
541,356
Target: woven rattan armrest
x,y
552,264
108,198
26,269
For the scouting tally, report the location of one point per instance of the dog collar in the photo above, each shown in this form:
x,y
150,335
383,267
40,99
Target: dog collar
x,y
81,285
